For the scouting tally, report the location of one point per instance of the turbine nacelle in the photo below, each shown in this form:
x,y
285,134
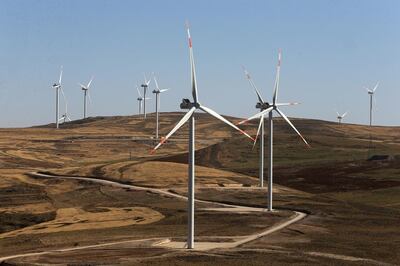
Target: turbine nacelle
x,y
263,105
187,104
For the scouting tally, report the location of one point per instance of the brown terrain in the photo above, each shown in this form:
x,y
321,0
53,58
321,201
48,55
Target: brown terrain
x,y
91,193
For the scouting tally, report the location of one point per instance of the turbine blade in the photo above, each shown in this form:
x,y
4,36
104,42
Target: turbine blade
x,y
278,70
376,86
63,95
184,119
89,98
258,130
256,115
155,81
192,66
61,73
344,114
290,123
147,82
216,115
138,91
163,90
82,86
90,82
286,104
248,77
337,113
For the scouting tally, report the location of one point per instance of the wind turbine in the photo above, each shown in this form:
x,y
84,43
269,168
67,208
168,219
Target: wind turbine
x,y
65,117
192,106
340,117
86,94
371,95
145,85
157,91
57,86
140,99
268,108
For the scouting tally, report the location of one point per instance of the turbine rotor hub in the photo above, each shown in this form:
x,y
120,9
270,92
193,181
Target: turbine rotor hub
x,y
187,104
263,106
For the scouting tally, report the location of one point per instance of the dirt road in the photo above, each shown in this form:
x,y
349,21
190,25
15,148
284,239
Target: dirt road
x,y
165,242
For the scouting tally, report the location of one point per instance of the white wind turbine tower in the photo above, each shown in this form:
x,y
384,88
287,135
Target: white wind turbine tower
x,y
340,117
86,95
157,91
145,85
371,95
57,86
193,106
268,108
65,117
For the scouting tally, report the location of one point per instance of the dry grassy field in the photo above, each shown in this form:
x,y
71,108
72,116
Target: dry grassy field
x,y
352,204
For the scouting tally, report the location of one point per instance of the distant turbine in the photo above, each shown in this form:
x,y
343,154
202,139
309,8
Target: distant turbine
x,y
266,107
140,100
145,85
193,106
57,86
340,117
86,94
371,94
157,91
65,117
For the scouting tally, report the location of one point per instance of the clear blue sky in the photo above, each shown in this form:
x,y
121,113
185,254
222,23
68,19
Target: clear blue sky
x,y
331,49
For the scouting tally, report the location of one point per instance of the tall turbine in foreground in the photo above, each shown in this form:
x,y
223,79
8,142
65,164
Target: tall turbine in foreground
x,y
157,91
371,95
145,85
193,106
85,96
268,108
57,86
340,117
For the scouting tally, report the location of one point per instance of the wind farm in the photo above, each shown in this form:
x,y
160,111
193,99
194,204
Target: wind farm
x,y
216,167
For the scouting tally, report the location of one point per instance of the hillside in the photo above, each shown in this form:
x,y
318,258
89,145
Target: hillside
x,y
350,201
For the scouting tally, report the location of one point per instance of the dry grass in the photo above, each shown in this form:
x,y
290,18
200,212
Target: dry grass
x,y
353,204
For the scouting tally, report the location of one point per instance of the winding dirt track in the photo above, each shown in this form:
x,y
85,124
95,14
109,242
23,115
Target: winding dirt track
x,y
163,242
